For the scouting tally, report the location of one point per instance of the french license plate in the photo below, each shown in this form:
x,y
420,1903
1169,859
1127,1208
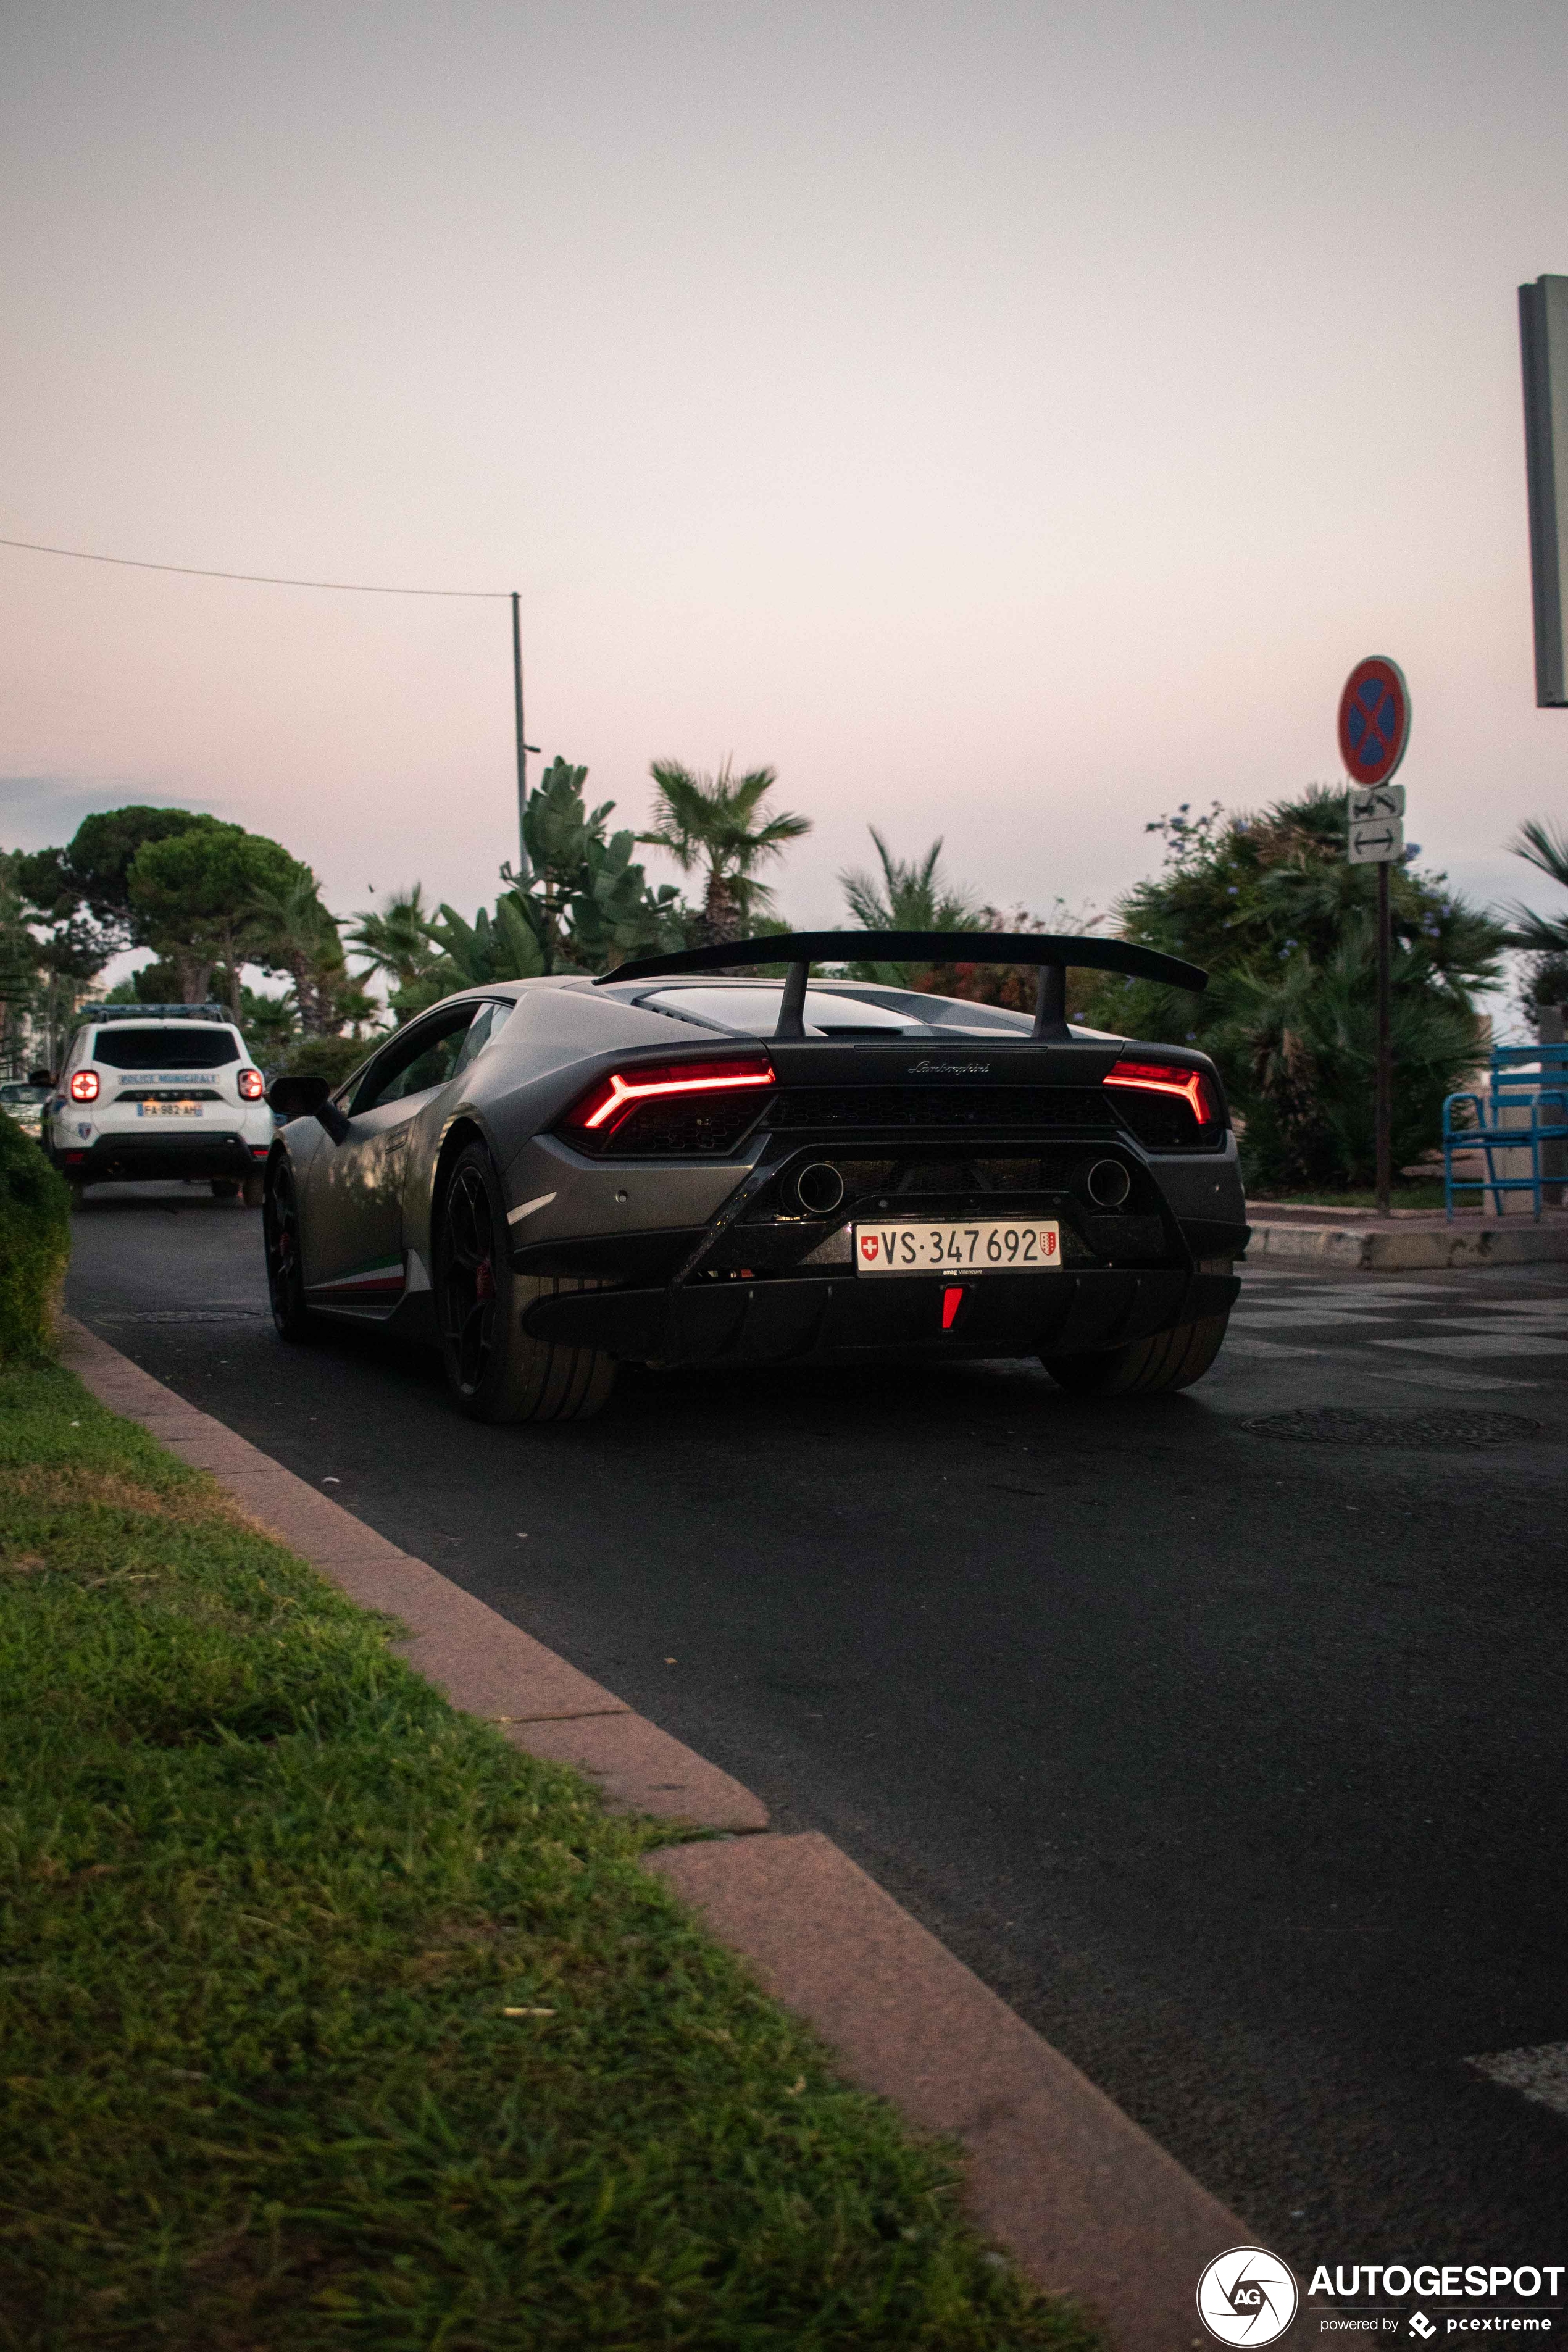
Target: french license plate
x,y
981,1245
168,1111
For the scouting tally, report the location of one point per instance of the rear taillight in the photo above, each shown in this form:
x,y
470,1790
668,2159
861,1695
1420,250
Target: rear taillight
x,y
252,1086
670,1106
1172,1081
84,1085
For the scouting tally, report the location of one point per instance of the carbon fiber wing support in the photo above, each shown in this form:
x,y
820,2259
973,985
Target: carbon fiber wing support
x,y
1052,952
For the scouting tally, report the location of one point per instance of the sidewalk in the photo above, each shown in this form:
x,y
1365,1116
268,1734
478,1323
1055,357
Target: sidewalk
x,y
1286,1232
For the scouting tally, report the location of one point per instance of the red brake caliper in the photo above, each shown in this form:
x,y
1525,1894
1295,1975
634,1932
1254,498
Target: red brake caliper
x,y
484,1281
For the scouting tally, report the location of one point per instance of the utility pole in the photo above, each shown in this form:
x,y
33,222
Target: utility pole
x,y
521,745
1385,1049
1374,729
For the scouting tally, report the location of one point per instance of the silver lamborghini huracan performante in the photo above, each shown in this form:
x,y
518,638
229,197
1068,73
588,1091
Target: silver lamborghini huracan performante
x,y
687,1162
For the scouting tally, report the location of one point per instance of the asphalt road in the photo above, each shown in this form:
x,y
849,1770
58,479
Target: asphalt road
x,y
1235,1762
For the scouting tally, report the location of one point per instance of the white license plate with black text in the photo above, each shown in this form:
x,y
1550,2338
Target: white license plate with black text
x,y
981,1245
168,1111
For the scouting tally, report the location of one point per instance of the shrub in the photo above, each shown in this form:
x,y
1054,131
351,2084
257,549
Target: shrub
x,y
35,1242
1270,906
333,1058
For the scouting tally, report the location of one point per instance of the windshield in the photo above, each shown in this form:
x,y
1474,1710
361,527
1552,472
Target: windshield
x,y
206,1047
16,1092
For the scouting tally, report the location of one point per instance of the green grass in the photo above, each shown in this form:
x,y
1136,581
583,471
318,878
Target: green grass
x,y
329,2020
1419,1193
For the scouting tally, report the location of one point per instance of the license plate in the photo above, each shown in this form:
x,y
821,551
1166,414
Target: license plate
x,y
168,1111
981,1245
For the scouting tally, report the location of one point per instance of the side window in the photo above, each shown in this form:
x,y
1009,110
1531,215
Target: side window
x,y
488,1022
424,1057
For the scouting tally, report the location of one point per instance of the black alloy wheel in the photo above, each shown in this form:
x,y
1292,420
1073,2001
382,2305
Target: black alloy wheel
x,y
494,1368
467,1295
285,1263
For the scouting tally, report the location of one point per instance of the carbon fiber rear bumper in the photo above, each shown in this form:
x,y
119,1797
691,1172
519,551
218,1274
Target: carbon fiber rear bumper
x,y
775,1322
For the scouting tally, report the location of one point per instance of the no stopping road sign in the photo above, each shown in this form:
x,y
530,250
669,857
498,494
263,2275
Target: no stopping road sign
x,y
1374,721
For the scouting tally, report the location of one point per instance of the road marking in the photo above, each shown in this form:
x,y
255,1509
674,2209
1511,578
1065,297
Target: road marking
x,y
1287,1315
1237,1345
1494,1343
1541,2074
1460,1383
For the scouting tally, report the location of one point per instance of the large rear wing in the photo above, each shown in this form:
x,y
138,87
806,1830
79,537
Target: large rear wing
x,y
1052,952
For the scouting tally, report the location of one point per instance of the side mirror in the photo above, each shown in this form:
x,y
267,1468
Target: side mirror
x,y
297,1097
40,1077
307,1097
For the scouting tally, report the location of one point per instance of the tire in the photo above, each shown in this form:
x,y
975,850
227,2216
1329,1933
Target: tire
x,y
253,1191
285,1265
224,1188
1170,1360
76,1188
495,1369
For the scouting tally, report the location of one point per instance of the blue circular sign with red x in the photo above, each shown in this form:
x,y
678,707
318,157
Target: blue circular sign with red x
x,y
1374,721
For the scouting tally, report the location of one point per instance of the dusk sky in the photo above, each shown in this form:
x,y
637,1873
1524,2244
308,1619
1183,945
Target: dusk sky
x,y
1008,421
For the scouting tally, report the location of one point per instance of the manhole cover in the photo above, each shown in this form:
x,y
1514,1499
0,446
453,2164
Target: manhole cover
x,y
1439,1431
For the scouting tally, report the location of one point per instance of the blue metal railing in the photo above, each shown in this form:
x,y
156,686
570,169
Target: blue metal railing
x,y
1525,1108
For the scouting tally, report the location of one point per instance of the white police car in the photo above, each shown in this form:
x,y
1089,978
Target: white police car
x,y
152,1093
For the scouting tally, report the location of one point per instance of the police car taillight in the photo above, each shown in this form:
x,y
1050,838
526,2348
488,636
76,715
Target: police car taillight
x,y
252,1086
84,1085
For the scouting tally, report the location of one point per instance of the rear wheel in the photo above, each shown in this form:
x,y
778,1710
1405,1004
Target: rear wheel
x,y
224,1188
76,1188
1170,1360
254,1190
495,1369
285,1263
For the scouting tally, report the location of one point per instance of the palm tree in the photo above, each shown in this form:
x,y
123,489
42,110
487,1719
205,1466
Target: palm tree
x,y
714,822
292,930
906,897
396,938
1547,851
1543,936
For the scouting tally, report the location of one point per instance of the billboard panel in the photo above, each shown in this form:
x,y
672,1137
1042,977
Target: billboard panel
x,y
1543,339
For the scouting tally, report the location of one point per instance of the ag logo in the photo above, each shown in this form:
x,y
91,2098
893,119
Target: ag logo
x,y
1246,2295
869,1246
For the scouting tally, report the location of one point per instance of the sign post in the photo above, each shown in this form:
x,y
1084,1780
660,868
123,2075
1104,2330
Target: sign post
x,y
1374,729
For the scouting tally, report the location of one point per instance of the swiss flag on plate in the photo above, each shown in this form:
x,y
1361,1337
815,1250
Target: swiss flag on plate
x,y
869,1244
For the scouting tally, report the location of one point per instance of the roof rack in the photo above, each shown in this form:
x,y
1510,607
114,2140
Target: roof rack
x,y
1053,953
152,1012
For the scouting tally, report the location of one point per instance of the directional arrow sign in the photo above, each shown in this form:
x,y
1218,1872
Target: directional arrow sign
x,y
1379,842
1369,802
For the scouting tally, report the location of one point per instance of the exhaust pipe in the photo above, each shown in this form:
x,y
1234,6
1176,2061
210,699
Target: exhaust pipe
x,y
819,1189
1109,1183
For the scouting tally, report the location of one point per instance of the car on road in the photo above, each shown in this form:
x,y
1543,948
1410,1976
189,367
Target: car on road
x,y
153,1092
684,1161
24,1100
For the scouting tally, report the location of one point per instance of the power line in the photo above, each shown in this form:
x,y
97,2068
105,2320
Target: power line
x,y
255,578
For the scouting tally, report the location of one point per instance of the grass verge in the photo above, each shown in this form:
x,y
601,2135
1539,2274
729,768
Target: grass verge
x,y
1418,1194
329,2020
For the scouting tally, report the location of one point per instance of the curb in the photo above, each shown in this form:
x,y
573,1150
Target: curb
x,y
1084,2200
1375,1248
